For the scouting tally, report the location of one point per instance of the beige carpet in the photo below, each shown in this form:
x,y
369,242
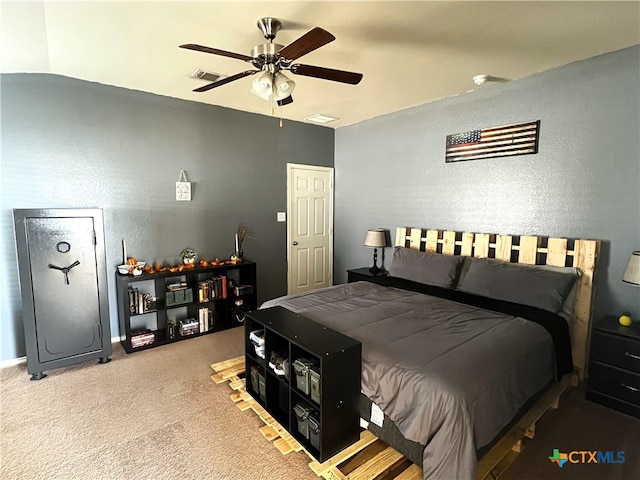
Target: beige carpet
x,y
154,414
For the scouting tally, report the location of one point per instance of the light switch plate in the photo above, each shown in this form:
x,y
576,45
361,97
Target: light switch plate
x,y
282,216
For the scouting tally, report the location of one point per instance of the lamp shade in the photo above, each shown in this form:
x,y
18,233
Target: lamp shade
x,y
375,238
282,86
262,85
632,273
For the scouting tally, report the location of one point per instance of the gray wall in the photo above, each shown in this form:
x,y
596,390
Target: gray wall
x,y
70,143
583,183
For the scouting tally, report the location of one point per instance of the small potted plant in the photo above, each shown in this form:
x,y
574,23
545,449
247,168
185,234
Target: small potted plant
x,y
188,256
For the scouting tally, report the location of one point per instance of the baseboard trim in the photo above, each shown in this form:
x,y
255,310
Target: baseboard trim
x,y
12,362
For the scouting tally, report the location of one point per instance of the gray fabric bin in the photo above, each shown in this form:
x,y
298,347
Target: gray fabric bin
x,y
314,429
262,387
302,416
301,369
255,383
314,384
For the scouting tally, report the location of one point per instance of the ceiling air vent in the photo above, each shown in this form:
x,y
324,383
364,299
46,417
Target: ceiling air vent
x,y
320,118
208,76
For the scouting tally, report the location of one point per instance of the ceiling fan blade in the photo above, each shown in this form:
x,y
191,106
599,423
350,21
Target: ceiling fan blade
x,y
314,38
215,51
343,76
225,80
285,101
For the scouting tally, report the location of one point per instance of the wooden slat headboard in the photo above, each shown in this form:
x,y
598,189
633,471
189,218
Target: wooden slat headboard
x,y
527,249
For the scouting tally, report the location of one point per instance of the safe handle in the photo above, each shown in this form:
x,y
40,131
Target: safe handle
x,y
65,270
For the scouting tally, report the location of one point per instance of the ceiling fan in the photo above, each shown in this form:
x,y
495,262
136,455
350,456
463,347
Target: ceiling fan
x,y
270,59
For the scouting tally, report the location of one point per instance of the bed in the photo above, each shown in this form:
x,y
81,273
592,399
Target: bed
x,y
466,331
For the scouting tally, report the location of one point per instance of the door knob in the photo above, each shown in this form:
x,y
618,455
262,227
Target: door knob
x,y
295,243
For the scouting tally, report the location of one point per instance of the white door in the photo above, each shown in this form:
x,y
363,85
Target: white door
x,y
309,227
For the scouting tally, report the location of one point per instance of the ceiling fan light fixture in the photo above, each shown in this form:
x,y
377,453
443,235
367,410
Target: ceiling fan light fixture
x,y
282,86
480,79
270,59
262,85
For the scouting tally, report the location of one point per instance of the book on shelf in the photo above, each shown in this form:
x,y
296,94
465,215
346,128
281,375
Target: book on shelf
x,y
189,326
171,329
224,286
205,319
141,337
242,290
133,300
148,303
140,302
214,288
172,287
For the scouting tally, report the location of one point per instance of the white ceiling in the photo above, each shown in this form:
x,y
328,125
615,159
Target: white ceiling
x,y
410,53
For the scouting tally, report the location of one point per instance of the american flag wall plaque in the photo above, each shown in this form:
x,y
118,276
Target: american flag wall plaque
x,y
504,141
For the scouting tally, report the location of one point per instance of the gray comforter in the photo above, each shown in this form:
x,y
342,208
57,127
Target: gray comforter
x,y
449,375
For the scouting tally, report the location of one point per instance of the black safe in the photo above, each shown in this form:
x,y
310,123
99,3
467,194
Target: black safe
x,y
63,284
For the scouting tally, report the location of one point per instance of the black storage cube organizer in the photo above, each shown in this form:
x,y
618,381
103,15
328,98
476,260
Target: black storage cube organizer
x,y
322,411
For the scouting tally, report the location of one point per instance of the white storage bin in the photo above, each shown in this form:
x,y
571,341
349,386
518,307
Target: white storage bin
x,y
257,340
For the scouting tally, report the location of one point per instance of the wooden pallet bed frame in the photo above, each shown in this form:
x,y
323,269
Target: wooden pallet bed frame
x,y
370,458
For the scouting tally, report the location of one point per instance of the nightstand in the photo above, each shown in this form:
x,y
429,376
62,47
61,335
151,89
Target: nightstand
x,y
614,366
362,274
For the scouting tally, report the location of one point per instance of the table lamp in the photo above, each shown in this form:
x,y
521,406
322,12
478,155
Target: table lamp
x,y
631,276
375,239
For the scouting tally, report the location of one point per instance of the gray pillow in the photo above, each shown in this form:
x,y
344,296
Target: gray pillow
x,y
566,311
544,287
422,267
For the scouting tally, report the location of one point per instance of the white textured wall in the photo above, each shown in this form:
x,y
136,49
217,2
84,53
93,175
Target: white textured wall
x,y
583,183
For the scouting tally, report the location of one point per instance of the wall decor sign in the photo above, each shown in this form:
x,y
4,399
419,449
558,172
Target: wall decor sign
x,y
504,141
183,188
